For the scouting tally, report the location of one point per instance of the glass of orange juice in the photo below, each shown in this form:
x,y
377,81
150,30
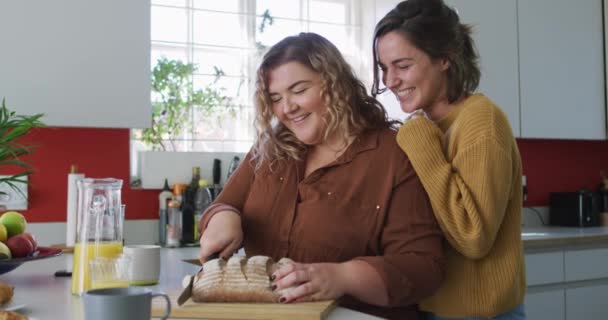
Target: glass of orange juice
x,y
110,272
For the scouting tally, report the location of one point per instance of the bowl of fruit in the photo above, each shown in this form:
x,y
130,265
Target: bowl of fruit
x,y
18,246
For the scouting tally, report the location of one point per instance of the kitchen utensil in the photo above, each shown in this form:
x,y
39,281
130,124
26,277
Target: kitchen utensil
x,y
145,264
41,253
131,303
229,311
110,272
187,292
100,222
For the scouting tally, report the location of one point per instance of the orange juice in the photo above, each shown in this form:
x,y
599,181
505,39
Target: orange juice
x,y
103,284
81,279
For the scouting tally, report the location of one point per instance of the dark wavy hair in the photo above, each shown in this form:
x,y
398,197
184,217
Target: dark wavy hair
x,y
350,109
434,28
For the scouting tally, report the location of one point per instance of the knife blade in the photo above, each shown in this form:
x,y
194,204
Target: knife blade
x,y
187,292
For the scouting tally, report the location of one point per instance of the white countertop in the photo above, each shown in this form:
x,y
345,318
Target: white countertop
x,y
46,297
559,236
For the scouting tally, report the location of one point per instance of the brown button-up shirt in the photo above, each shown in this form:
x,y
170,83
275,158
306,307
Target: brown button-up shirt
x,y
368,204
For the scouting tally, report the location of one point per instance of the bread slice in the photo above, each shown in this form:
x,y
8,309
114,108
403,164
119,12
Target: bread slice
x,y
237,280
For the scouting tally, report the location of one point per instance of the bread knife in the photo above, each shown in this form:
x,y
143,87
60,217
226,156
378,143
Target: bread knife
x,y
187,293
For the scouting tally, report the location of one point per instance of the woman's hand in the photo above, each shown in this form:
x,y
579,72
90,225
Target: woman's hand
x,y
223,235
313,282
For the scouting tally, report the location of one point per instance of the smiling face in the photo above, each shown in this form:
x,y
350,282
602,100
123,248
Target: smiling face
x,y
295,92
417,81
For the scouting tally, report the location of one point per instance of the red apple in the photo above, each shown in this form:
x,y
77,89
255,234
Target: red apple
x,y
20,246
32,239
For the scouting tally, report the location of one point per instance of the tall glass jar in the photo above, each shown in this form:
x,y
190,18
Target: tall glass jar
x,y
99,231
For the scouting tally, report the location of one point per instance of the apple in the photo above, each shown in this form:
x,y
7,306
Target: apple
x,y
20,246
31,238
5,252
3,233
14,222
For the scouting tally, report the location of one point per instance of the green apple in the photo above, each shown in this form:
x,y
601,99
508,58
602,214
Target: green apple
x,y
5,252
14,222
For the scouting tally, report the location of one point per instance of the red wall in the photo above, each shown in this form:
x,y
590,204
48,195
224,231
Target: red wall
x,y
550,165
98,153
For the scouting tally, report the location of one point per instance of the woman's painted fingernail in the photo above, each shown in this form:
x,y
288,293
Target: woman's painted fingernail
x,y
273,287
272,277
282,300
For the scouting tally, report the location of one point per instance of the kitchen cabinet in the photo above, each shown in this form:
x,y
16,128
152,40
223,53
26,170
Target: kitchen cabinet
x,y
541,62
561,69
567,283
587,303
81,63
494,26
549,305
495,34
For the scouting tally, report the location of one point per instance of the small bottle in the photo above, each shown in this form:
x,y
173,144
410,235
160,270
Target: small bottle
x,y
163,198
202,201
174,224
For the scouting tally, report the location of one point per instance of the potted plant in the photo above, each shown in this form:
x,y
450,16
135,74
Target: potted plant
x,y
174,100
12,127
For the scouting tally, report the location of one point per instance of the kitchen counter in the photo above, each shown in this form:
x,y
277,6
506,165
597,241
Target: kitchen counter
x,y
42,296
552,236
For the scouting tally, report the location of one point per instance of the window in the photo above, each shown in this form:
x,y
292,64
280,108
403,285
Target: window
x,y
228,36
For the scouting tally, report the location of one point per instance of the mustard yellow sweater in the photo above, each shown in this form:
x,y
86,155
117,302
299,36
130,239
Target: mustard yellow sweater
x,y
470,166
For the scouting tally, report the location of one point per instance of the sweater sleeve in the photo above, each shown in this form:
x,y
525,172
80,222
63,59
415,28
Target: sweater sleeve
x,y
233,195
412,261
469,194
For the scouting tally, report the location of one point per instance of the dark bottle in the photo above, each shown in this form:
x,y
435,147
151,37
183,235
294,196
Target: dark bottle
x,y
233,165
188,226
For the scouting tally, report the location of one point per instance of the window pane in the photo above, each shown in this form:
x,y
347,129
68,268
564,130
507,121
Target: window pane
x,y
223,29
169,52
280,29
222,5
169,24
337,34
175,3
230,86
328,11
225,126
279,8
232,62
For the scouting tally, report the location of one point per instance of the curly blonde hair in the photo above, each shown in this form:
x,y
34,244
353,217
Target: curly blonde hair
x,y
350,110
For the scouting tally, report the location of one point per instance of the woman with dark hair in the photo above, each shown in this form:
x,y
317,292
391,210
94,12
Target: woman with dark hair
x,y
462,148
325,184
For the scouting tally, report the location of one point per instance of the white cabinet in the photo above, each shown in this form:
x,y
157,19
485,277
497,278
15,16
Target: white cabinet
x,y
81,63
537,271
587,303
495,34
567,284
561,69
494,25
548,305
586,264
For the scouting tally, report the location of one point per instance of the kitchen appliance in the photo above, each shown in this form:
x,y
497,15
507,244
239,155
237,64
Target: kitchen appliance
x,y
574,209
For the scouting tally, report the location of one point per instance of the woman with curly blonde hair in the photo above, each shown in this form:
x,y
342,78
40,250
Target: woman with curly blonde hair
x,y
325,184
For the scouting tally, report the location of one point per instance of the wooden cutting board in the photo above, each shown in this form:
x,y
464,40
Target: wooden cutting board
x,y
233,311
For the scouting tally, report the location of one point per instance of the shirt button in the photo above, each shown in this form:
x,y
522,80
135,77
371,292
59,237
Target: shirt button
x,y
329,193
281,178
377,207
